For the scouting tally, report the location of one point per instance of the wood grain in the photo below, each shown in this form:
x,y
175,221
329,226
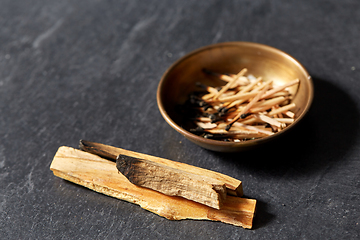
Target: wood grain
x,y
172,181
101,175
233,186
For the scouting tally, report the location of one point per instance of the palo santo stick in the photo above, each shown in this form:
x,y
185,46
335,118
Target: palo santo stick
x,y
281,109
101,175
172,181
229,84
234,186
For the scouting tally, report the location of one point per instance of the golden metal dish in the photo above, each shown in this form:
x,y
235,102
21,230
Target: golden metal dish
x,y
230,57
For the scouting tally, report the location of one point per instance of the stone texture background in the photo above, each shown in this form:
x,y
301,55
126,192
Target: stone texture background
x,y
72,70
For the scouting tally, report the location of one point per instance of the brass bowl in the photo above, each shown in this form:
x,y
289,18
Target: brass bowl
x,y
230,57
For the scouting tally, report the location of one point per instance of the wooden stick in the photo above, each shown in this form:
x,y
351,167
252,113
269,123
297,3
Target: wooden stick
x,y
269,120
234,186
101,175
251,85
172,181
262,106
203,120
234,103
208,96
232,132
242,80
244,96
280,88
285,120
251,103
248,121
289,114
282,109
244,90
266,132
206,125
229,84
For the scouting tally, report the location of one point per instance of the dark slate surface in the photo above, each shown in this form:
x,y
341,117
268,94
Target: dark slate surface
x,y
89,69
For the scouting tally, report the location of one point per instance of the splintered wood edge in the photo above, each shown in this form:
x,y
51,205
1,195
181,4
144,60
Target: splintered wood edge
x,y
234,186
102,176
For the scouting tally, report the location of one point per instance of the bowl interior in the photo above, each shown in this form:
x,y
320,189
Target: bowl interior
x,y
260,60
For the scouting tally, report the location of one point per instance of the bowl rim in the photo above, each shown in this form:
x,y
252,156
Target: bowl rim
x,y
194,137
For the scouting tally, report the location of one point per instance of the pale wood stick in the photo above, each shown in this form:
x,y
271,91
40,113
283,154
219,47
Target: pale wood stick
x,y
261,86
244,90
232,132
271,102
235,113
285,120
239,126
248,136
101,175
281,93
267,104
206,125
242,80
234,186
244,96
227,86
236,102
248,121
208,96
255,128
203,119
289,114
269,120
280,88
282,109
172,181
211,90
207,88
250,104
228,94
226,78
275,115
251,85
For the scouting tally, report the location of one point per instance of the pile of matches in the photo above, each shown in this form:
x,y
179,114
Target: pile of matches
x,y
244,108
